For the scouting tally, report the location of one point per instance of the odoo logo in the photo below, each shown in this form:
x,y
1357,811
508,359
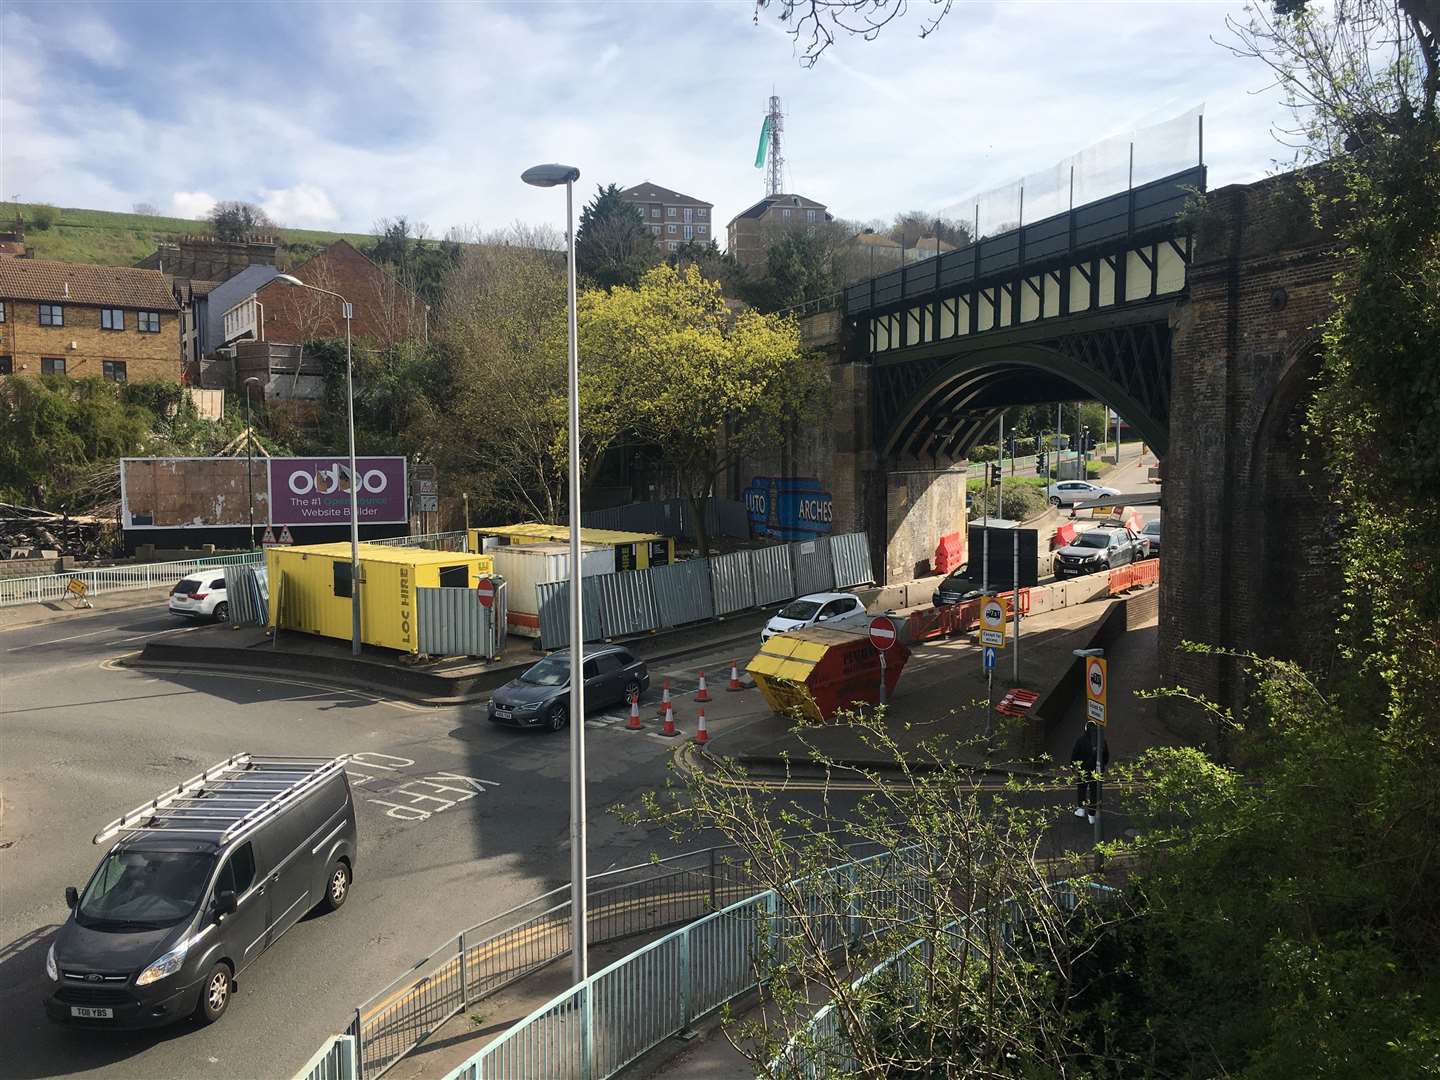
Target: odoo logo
x,y
335,478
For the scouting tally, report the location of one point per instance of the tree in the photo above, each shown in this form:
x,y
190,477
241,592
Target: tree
x,y
418,262
708,386
814,23
145,209
613,246
910,226
237,221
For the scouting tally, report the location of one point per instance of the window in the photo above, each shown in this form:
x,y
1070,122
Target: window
x,y
112,318
2,310
7,366
52,365
454,577
689,214
785,213
238,873
114,370
608,664
589,671
670,228
218,585
654,211
147,322
702,213
342,579
624,657
700,230
669,211
655,229
52,315
689,232
809,215
674,245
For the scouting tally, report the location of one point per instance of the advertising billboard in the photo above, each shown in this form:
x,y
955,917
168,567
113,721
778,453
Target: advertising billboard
x,y
316,490
788,507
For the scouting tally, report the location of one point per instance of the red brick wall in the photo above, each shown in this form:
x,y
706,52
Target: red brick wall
x,y
383,311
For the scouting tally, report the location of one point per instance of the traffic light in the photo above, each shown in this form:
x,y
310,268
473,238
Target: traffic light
x,y
994,474
1041,464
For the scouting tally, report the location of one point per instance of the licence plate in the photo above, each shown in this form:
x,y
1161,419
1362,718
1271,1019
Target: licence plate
x,y
504,714
84,1013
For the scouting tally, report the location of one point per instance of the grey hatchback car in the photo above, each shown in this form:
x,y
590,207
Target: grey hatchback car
x,y
541,696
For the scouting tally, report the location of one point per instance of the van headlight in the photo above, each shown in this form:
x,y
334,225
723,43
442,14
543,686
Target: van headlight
x,y
50,968
163,968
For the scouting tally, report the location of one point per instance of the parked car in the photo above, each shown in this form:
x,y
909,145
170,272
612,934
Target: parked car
x,y
1151,532
1100,549
1070,492
540,697
182,904
200,597
955,589
828,609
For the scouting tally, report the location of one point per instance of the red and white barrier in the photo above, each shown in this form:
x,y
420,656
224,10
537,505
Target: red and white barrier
x,y
702,733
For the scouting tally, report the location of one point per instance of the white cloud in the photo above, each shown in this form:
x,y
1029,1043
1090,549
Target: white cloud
x,y
191,204
606,58
302,206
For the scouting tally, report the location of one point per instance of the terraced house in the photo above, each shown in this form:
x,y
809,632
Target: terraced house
x,y
114,322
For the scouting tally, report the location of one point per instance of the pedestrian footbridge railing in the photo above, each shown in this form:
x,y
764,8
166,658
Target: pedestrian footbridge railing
x,y
110,579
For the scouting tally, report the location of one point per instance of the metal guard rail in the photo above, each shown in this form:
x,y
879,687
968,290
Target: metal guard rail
x,y
109,579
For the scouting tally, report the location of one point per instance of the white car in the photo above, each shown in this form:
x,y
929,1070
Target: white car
x,y
201,596
835,610
1070,492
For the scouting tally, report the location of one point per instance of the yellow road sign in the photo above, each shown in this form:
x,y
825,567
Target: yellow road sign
x,y
994,621
76,586
1097,687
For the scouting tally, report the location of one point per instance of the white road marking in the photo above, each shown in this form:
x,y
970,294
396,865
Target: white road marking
x,y
157,633
58,640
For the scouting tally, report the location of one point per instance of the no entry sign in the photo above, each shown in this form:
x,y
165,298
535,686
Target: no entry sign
x,y
485,592
882,633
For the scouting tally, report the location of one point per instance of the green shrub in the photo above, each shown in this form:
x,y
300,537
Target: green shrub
x,y
1022,500
42,216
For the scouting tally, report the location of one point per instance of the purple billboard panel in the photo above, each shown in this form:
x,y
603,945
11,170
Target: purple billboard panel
x,y
316,491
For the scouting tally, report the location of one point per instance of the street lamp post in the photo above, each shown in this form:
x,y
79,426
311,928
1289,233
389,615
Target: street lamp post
x,y
345,313
1081,655
548,176
250,458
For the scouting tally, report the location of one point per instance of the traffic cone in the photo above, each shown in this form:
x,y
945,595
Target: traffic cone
x,y
669,728
734,676
664,701
702,733
634,724
702,694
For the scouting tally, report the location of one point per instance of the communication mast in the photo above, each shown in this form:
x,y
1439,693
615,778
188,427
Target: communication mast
x,y
775,122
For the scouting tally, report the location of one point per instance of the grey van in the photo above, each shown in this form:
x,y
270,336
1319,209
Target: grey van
x,y
202,880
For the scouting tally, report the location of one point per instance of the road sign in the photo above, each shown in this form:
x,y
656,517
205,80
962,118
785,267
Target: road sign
x,y
882,632
285,537
1097,685
429,504
268,540
485,592
77,587
425,487
988,655
994,618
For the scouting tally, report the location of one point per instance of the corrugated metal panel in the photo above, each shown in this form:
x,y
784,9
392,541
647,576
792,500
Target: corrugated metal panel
x,y
811,562
625,602
731,582
453,622
682,592
554,597
246,591
771,573
671,517
850,554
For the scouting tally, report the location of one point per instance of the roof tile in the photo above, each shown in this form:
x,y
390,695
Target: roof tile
x,y
49,281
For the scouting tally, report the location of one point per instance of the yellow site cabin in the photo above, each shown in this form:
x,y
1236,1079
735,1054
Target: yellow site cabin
x,y
633,551
310,588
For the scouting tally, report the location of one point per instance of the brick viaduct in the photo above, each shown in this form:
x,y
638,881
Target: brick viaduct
x,y
1245,530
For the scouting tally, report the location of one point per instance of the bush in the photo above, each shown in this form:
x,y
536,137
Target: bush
x,y
984,453
1023,500
42,216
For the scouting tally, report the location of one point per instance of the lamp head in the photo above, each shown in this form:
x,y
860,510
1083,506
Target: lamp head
x,y
550,175
288,279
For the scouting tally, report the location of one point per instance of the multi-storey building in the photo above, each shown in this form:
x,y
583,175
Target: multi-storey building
x,y
115,322
673,219
752,231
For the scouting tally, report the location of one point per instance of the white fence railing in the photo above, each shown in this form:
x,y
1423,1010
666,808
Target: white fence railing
x,y
110,579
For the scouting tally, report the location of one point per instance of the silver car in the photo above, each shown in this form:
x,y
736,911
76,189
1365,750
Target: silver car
x,y
1070,492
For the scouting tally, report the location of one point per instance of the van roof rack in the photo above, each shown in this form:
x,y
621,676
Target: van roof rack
x,y
228,798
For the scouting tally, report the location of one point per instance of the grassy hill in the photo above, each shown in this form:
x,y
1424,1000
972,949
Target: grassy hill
x,y
114,239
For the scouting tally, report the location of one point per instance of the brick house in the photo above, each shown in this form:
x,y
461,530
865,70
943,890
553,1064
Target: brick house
x,y
672,218
114,322
752,231
383,311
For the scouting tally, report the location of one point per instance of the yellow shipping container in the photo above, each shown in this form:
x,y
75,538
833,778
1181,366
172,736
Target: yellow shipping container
x,y
310,588
633,551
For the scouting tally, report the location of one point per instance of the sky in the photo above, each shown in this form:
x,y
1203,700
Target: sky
x,y
335,115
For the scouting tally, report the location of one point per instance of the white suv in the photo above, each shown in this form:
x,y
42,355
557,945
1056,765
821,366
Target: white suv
x,y
201,597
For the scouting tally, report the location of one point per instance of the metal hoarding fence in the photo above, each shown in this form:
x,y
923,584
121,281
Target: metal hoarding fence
x,y
672,517
811,561
682,592
732,582
247,592
453,622
772,575
50,587
850,553
554,601
626,603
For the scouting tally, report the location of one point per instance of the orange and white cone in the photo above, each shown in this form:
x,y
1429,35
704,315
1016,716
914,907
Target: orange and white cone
x,y
734,676
702,694
702,733
634,724
664,701
669,728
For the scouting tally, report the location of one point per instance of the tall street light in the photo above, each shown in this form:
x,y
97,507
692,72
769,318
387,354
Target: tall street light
x,y
345,312
547,176
249,457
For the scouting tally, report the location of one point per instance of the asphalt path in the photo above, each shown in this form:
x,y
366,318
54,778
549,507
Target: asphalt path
x,y
458,820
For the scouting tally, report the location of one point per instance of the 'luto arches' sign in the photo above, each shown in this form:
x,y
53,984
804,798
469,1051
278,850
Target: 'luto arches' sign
x,y
789,507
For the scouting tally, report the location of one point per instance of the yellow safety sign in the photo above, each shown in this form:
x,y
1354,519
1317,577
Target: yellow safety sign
x,y
994,621
76,586
1097,686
